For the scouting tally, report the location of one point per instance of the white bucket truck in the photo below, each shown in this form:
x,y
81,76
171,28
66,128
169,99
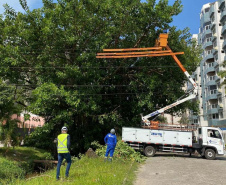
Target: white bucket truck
x,y
208,142
152,138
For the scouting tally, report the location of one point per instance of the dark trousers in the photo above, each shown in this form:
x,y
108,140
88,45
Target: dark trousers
x,y
110,149
62,156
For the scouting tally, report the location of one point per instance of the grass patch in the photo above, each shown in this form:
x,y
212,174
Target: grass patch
x,y
24,153
89,171
85,170
10,170
16,163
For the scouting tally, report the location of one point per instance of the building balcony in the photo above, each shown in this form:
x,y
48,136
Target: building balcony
x,y
217,78
215,50
224,44
209,56
213,25
219,92
223,15
210,69
216,64
211,82
213,122
205,18
220,106
212,111
212,96
214,37
206,32
208,44
223,31
192,117
222,122
221,3
211,11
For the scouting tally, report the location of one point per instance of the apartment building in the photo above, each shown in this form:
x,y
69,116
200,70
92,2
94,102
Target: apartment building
x,y
212,38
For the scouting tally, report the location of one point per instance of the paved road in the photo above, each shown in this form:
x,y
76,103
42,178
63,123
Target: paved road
x,y
173,169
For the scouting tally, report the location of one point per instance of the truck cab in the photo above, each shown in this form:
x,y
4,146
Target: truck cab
x,y
211,141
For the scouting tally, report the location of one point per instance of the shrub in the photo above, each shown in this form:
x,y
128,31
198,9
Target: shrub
x,y
41,137
10,170
122,151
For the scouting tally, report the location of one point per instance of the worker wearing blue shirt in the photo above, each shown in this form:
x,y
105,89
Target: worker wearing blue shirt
x,y
111,141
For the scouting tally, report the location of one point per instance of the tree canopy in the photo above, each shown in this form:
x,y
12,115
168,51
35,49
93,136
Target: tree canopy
x,y
48,64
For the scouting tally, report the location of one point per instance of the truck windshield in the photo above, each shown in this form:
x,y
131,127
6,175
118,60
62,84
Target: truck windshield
x,y
214,133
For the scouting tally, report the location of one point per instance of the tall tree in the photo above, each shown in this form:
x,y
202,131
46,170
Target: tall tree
x,y
49,55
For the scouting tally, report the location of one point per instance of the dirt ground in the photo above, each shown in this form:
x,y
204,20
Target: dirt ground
x,y
177,169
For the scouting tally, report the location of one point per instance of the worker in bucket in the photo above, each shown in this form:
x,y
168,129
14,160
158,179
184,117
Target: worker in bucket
x,y
63,145
111,141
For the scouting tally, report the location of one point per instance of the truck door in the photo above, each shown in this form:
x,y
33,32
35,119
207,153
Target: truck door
x,y
214,138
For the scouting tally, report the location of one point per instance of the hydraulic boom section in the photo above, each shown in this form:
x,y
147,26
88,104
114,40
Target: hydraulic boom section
x,y
161,49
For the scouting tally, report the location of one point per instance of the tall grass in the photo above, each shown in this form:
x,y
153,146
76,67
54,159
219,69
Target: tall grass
x,y
16,163
10,170
89,171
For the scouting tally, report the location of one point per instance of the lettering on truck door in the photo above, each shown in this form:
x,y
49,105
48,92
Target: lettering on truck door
x,y
214,139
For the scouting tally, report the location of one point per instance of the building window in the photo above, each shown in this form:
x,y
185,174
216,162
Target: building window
x,y
213,92
208,39
213,19
208,52
223,8
207,27
207,10
221,115
220,99
215,116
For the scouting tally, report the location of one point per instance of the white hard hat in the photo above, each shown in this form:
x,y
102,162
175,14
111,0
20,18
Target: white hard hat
x,y
112,131
64,128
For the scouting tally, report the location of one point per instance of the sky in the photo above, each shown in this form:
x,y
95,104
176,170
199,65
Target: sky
x,y
188,18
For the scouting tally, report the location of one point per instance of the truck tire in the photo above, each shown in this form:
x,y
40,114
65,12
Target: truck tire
x,y
149,151
210,154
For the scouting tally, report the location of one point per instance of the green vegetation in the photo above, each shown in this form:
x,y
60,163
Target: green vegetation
x,y
10,170
24,153
84,170
16,163
89,171
122,151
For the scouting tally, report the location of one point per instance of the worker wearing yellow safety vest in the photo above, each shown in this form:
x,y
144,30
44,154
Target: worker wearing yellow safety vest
x,y
63,145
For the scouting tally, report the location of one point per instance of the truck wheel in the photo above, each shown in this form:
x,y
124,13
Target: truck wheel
x,y
210,154
149,151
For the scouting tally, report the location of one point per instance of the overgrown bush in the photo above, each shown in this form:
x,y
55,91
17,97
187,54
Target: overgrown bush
x,y
10,170
122,151
41,138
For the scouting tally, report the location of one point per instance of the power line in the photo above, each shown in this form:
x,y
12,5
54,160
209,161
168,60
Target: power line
x,y
99,67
